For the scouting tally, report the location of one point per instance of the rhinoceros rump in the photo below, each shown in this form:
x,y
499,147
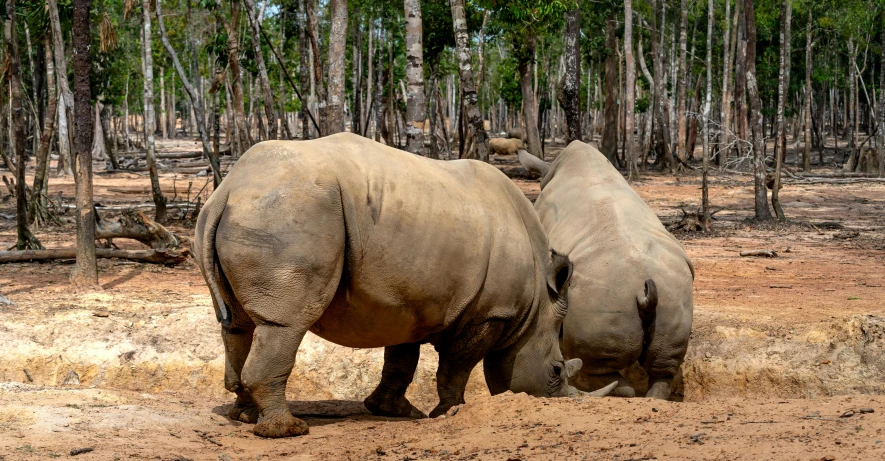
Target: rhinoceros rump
x,y
369,246
630,297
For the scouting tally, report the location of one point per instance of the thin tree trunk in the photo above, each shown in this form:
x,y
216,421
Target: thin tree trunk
x,y
881,114
806,160
630,93
337,52
783,83
729,38
570,88
705,186
38,197
740,85
236,81
415,116
662,123
263,80
66,163
304,66
609,145
851,110
163,115
85,273
761,195
25,240
683,82
149,116
468,88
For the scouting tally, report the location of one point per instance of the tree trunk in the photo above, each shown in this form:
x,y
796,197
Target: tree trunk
x,y
740,83
570,88
468,88
334,115
683,82
304,65
783,83
806,159
705,187
195,98
661,124
65,96
881,114
85,273
725,112
851,110
630,93
24,238
236,80
762,213
609,145
38,197
415,76
263,80
149,116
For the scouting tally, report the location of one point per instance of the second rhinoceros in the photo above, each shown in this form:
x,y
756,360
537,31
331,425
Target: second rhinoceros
x,y
630,297
369,246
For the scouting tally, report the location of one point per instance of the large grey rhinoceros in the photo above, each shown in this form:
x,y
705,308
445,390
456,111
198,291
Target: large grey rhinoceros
x,y
630,296
369,246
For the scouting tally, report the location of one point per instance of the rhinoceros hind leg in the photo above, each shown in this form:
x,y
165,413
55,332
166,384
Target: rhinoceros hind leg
x,y
237,342
589,382
457,359
389,398
659,388
265,374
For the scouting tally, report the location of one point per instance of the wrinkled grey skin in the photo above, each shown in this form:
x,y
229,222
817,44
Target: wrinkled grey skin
x,y
631,291
504,146
369,246
516,133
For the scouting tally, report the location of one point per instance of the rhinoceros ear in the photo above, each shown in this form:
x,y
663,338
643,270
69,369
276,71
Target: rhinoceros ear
x,y
572,366
560,272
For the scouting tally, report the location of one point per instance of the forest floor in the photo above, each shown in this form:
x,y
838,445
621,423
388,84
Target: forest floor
x,y
781,349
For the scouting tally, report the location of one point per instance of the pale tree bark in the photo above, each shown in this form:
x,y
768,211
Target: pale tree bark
x,y
195,98
705,185
851,114
806,160
85,273
468,86
150,119
762,213
334,116
25,240
304,65
740,82
783,87
609,144
38,197
881,114
630,93
570,87
65,162
415,76
649,113
725,114
529,103
662,124
319,86
163,115
236,78
263,81
682,81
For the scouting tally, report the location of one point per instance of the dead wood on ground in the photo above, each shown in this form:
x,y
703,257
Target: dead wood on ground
x,y
160,256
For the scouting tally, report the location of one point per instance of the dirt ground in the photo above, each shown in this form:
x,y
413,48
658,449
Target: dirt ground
x,y
781,348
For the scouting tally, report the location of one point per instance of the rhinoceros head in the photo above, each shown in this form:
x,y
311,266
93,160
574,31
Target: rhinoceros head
x,y
534,364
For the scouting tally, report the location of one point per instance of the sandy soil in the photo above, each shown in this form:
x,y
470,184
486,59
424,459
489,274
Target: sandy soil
x,y
780,349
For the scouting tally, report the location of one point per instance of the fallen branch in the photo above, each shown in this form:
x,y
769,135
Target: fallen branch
x,y
163,256
762,253
133,224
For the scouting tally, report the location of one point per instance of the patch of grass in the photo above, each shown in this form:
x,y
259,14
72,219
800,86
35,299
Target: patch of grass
x,y
853,298
25,449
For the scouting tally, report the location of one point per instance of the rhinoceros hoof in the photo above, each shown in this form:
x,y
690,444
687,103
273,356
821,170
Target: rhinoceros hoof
x,y
399,408
244,412
276,424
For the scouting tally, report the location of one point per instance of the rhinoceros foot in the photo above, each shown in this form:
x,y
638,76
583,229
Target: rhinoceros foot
x,y
244,411
397,407
279,423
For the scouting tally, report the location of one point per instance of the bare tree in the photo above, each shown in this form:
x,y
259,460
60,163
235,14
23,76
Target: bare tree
x,y
235,75
415,77
25,240
468,87
881,114
809,45
304,64
783,84
38,197
570,87
727,60
682,81
150,119
609,145
334,116
630,93
761,194
85,273
195,98
65,161
263,81
705,187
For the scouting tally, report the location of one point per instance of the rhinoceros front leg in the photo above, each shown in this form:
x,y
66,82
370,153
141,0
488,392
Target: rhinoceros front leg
x,y
265,374
389,398
237,342
457,360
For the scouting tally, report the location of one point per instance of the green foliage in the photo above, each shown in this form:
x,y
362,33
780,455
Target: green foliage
x,y
510,92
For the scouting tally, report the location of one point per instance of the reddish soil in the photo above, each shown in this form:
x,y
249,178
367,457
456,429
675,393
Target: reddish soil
x,y
825,273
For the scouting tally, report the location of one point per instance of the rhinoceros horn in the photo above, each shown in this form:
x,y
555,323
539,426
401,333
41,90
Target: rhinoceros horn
x,y
572,392
533,164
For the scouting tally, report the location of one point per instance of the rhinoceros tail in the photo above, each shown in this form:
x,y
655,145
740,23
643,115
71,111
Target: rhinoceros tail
x,y
207,257
649,301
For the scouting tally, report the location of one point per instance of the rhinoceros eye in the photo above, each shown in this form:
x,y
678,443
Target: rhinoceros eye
x,y
557,370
